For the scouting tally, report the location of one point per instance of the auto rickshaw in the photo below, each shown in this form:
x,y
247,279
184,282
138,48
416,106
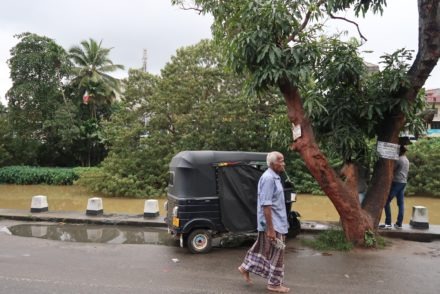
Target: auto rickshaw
x,y
211,193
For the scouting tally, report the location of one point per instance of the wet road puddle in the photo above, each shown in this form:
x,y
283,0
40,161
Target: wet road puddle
x,y
116,235
94,234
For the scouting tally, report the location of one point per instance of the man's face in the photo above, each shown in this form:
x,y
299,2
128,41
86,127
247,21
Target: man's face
x,y
278,165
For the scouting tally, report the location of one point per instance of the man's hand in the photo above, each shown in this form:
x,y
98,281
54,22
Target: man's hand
x,y
271,234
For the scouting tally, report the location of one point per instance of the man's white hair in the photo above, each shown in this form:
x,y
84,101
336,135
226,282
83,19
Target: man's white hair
x,y
272,157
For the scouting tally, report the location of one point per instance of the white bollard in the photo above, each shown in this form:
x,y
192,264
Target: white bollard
x,y
94,235
151,238
39,203
419,219
94,206
39,231
151,208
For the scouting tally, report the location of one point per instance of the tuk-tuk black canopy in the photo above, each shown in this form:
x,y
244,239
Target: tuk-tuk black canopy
x,y
232,177
192,173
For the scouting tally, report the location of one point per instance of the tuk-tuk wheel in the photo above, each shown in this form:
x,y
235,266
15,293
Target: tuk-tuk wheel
x,y
199,241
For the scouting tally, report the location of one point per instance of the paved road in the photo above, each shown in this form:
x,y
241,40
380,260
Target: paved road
x,y
31,265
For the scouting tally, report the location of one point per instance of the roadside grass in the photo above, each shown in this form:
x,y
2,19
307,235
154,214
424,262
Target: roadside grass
x,y
382,242
331,240
334,240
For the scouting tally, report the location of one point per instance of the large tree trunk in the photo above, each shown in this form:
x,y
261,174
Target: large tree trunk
x,y
427,57
380,184
355,221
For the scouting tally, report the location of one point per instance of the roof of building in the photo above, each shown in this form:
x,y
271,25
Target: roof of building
x,y
433,95
371,67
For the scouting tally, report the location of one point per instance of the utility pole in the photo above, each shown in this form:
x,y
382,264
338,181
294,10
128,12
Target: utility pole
x,y
144,61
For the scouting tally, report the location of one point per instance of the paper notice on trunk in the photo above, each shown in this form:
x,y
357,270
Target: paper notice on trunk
x,y
296,131
388,150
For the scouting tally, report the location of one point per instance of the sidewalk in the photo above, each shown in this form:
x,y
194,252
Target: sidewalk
x,y
407,232
82,218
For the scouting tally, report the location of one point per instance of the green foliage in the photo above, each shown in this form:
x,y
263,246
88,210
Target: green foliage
x,y
196,104
424,171
304,182
5,137
373,240
330,240
272,42
137,163
255,37
356,102
334,98
382,242
37,65
27,175
370,239
360,6
268,39
46,123
148,127
271,39
132,174
83,170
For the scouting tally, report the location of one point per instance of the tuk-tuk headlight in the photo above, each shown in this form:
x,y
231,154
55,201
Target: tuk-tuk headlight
x,y
175,211
293,197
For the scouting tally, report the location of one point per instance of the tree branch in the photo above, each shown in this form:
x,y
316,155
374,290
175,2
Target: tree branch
x,y
305,22
199,10
428,52
350,21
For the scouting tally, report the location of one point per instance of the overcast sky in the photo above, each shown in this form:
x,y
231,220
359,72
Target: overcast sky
x,y
130,26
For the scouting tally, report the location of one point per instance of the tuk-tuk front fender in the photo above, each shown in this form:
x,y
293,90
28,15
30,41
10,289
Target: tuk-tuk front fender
x,y
198,223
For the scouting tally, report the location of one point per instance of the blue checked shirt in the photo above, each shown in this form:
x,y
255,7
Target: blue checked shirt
x,y
270,192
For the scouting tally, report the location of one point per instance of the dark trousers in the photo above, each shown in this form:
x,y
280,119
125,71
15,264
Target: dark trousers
x,y
397,190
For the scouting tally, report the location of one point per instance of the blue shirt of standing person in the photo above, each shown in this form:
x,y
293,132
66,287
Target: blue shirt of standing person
x,y
271,193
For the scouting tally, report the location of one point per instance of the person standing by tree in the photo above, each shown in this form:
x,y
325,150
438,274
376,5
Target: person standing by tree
x,y
266,256
398,185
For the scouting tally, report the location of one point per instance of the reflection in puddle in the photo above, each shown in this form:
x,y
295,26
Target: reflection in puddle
x,y
119,235
95,234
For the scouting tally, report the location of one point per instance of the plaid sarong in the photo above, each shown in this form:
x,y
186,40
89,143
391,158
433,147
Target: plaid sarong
x,y
265,260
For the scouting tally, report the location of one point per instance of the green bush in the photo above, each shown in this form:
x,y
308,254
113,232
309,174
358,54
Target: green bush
x,y
27,175
115,184
424,169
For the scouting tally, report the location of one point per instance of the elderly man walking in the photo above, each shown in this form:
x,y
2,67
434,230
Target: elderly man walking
x,y
266,256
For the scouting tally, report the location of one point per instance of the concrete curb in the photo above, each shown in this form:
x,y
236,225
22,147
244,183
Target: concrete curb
x,y
406,233
81,218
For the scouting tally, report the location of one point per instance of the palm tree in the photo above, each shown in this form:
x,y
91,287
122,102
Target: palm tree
x,y
91,69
